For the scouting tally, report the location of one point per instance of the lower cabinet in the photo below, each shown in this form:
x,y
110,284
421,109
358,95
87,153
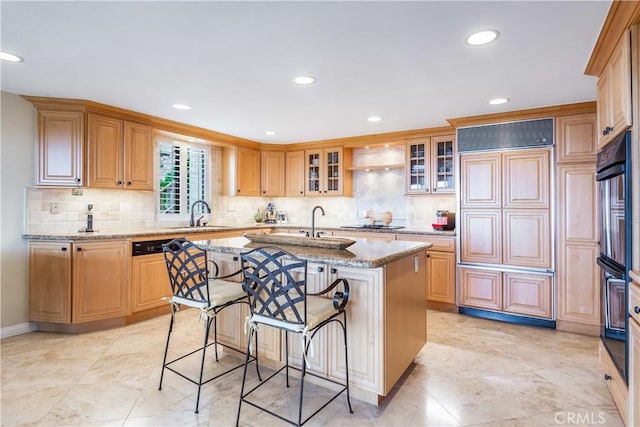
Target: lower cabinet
x,y
526,294
441,267
634,373
78,282
149,282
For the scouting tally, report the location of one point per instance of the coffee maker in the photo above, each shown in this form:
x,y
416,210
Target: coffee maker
x,y
445,220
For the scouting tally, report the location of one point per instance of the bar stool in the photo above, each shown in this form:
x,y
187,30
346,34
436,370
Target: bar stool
x,y
278,299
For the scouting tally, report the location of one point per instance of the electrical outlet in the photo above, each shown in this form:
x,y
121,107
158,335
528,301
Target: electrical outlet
x,y
54,208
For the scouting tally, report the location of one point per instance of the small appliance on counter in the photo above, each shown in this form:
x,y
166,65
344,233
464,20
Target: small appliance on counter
x,y
270,214
445,220
281,217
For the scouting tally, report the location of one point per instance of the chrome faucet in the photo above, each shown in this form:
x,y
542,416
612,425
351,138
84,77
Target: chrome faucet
x,y
206,205
313,220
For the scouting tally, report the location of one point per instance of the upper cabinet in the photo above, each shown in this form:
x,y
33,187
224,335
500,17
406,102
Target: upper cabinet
x,y
576,138
326,174
614,93
60,148
272,170
294,175
431,165
119,154
241,171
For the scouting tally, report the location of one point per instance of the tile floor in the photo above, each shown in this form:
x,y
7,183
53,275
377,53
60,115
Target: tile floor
x,y
471,372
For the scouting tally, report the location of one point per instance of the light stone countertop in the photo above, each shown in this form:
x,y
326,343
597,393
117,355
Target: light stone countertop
x,y
176,231
362,254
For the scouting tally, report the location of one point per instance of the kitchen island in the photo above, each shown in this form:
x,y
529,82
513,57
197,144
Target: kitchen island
x,y
386,313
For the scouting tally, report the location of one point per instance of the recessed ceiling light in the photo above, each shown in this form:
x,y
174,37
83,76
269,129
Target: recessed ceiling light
x,y
304,80
498,101
181,107
482,37
374,119
270,132
6,56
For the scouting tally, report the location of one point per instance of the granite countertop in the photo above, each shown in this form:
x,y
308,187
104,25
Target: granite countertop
x,y
362,254
181,231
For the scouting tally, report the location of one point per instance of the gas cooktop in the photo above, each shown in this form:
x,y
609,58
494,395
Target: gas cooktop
x,y
376,226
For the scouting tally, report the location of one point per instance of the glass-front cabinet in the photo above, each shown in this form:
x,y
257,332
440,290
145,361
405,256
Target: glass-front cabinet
x,y
431,165
325,172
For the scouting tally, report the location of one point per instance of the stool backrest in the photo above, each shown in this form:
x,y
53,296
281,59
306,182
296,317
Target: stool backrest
x,y
187,268
274,284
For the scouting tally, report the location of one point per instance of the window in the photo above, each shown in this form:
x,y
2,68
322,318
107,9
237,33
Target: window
x,y
183,178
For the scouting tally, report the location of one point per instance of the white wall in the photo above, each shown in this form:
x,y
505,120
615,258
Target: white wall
x,y
17,171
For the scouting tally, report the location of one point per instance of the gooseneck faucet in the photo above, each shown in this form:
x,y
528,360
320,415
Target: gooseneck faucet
x,y
206,205
313,220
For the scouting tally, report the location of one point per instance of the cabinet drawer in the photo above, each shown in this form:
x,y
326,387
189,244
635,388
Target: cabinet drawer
x,y
440,244
634,301
615,382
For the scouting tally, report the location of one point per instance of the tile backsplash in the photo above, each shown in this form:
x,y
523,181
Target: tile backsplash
x,y
378,190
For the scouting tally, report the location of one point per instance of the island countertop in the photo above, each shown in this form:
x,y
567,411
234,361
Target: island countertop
x,y
362,254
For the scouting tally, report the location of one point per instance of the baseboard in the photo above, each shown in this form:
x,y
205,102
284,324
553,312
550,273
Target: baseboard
x,y
19,329
578,328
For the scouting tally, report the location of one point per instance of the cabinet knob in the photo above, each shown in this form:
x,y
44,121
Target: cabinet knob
x,y
235,258
302,192
77,179
435,189
128,182
264,192
238,190
428,256
607,377
119,182
333,271
78,249
65,250
636,309
320,269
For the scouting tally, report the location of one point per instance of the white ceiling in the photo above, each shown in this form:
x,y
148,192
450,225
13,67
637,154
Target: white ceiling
x,y
233,62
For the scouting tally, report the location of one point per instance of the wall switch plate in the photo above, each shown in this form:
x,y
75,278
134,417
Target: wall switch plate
x,y
54,208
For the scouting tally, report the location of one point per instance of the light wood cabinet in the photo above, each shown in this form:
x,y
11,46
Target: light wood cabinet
x,y
616,384
370,236
91,283
481,181
60,148
634,373
326,173
241,171
149,282
527,294
578,276
119,154
481,236
50,281
272,170
614,93
441,267
295,173
525,179
576,138
527,238
100,280
431,165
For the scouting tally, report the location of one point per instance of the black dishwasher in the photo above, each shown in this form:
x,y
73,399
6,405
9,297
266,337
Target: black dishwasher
x,y
148,247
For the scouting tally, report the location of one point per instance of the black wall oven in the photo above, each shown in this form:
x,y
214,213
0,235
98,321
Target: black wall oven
x,y
614,177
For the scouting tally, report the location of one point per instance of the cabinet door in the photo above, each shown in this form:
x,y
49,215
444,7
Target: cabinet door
x,y
480,288
100,280
317,357
481,238
620,87
527,238
604,107
337,181
50,281
294,185
480,181
138,156
526,179
149,282
527,294
248,172
60,147
272,173
314,163
369,236
441,277
364,330
104,152
576,138
577,275
418,166
634,373
443,164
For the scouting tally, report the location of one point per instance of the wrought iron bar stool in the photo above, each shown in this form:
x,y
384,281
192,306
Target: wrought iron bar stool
x,y
193,286
278,297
